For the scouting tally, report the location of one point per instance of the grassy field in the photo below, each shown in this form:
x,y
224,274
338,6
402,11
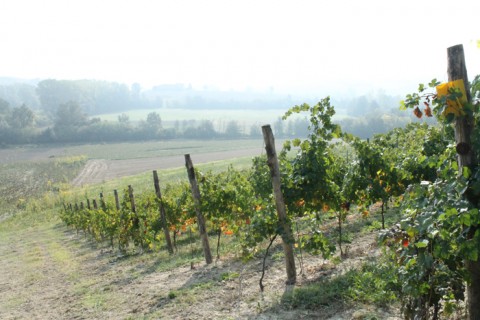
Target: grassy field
x,y
133,150
125,150
219,117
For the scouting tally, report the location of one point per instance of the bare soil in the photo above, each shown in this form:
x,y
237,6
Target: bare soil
x,y
97,171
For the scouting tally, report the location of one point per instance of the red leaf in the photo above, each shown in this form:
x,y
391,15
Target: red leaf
x,y
417,112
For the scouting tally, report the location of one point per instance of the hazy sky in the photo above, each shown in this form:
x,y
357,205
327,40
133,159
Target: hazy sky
x,y
289,45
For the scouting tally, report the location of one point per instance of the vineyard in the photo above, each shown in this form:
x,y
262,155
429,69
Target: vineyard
x,y
389,224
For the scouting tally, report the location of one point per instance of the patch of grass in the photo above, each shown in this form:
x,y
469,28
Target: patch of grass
x,y
94,300
172,294
31,186
15,301
372,283
226,276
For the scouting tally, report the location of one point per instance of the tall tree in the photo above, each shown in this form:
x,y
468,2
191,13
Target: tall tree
x,y
21,117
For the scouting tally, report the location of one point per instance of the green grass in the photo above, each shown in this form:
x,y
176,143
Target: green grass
x,y
219,117
24,183
372,283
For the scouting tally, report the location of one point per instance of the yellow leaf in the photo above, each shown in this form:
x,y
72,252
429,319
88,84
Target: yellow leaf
x,y
453,106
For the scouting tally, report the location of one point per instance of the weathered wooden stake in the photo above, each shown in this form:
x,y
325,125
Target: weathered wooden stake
x,y
196,199
466,158
117,202
163,216
286,229
132,199
95,204
102,202
88,204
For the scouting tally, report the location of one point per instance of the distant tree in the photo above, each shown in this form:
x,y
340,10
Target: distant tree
x,y
21,117
67,121
278,128
233,130
205,130
154,122
4,106
70,114
124,119
255,131
20,93
53,93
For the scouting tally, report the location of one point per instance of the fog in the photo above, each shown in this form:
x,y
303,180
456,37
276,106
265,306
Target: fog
x,y
293,47
131,59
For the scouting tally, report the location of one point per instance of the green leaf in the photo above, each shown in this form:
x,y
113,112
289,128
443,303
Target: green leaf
x,y
422,243
466,172
466,219
433,83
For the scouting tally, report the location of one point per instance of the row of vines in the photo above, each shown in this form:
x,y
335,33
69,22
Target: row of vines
x,y
431,172
323,177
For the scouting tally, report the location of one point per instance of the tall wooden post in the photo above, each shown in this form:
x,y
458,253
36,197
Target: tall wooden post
x,y
103,205
287,236
117,202
163,216
196,200
466,158
132,199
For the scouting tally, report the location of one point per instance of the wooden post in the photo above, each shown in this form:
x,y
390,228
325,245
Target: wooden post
x,y
196,200
117,202
286,229
466,158
163,216
102,202
132,199
88,204
95,204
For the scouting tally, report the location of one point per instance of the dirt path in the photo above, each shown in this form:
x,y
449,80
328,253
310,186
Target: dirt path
x,y
94,170
97,171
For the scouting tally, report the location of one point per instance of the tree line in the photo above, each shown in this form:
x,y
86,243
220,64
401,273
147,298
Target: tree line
x,y
64,111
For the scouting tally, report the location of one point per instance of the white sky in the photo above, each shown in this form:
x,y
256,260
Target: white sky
x,y
237,44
